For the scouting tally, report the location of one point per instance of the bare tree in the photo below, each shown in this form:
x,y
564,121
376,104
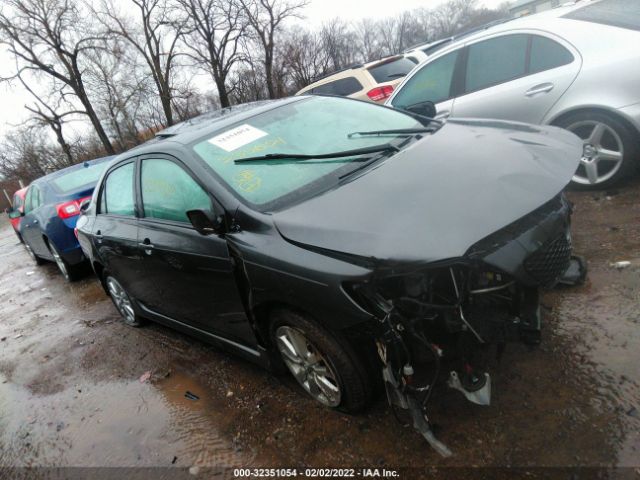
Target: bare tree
x,y
155,37
215,28
49,37
265,18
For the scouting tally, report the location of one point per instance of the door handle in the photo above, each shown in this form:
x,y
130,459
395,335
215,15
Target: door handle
x,y
35,222
147,246
542,88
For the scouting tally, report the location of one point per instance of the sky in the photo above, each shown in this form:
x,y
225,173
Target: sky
x,y
13,98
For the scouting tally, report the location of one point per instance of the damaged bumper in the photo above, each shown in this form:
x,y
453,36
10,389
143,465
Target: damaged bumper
x,y
449,313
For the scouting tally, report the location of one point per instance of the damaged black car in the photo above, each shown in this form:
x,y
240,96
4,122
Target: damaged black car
x,y
349,243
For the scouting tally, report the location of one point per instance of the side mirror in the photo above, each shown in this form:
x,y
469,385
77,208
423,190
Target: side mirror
x,y
426,109
206,222
15,214
85,204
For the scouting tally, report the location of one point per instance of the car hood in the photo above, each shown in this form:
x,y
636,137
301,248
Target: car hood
x,y
440,195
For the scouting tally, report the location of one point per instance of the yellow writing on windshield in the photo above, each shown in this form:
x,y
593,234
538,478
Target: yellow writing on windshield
x,y
247,180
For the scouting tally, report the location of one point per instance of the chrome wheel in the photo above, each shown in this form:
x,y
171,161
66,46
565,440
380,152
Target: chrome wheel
x,y
60,262
30,252
603,152
308,366
121,301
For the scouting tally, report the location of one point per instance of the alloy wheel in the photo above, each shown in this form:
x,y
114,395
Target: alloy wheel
x,y
603,152
30,252
309,367
60,263
121,300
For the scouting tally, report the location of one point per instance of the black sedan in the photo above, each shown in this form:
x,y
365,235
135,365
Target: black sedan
x,y
340,239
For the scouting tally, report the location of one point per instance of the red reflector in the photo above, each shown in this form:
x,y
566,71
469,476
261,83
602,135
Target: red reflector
x,y
380,93
70,209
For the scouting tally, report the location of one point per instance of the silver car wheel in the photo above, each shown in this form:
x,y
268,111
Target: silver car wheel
x,y
59,262
309,367
30,252
603,152
121,300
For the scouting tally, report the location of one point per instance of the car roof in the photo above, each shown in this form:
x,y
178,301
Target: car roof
x,y
550,20
208,123
77,166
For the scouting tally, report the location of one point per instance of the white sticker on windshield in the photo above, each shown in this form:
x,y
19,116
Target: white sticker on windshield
x,y
237,137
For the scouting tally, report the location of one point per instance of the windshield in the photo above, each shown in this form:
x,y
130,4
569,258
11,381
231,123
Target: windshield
x,y
79,177
311,126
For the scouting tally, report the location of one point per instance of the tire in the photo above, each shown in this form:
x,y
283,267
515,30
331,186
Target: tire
x,y
122,301
322,362
37,260
19,236
69,272
612,146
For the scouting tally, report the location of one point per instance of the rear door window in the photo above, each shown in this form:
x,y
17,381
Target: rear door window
x,y
617,13
31,199
117,196
168,191
431,83
343,87
547,54
392,70
496,61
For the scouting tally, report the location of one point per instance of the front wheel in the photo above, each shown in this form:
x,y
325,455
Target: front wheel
x,y
123,302
610,149
323,363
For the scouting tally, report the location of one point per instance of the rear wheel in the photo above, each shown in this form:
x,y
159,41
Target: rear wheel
x,y
322,362
122,301
34,257
69,272
611,149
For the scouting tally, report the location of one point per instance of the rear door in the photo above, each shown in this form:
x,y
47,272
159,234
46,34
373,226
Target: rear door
x,y
31,224
189,276
515,76
115,230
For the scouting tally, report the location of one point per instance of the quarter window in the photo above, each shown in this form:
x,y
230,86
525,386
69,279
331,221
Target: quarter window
x,y
168,191
431,83
495,61
547,54
117,194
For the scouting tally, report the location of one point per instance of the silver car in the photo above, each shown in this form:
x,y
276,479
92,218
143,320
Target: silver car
x,y
576,66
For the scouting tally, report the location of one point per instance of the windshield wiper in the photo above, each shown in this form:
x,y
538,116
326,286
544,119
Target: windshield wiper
x,y
398,131
385,147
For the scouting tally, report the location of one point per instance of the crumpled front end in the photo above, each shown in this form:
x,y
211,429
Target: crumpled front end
x,y
451,312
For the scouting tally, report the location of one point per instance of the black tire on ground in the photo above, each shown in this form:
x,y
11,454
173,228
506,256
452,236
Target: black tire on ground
x,y
628,137
70,272
122,301
19,236
355,384
37,260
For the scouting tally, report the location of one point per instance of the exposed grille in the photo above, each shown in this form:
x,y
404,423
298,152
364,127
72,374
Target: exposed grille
x,y
548,263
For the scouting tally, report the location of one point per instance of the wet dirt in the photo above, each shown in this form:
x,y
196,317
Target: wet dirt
x,y
71,392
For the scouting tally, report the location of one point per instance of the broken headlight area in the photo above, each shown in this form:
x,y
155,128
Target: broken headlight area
x,y
449,316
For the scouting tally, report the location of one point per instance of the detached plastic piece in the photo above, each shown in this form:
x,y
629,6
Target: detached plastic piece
x,y
480,396
576,274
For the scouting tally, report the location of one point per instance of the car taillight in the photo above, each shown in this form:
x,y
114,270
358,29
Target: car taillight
x,y
380,93
70,209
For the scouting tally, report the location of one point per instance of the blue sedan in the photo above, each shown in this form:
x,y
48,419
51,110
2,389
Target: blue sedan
x,y
52,206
